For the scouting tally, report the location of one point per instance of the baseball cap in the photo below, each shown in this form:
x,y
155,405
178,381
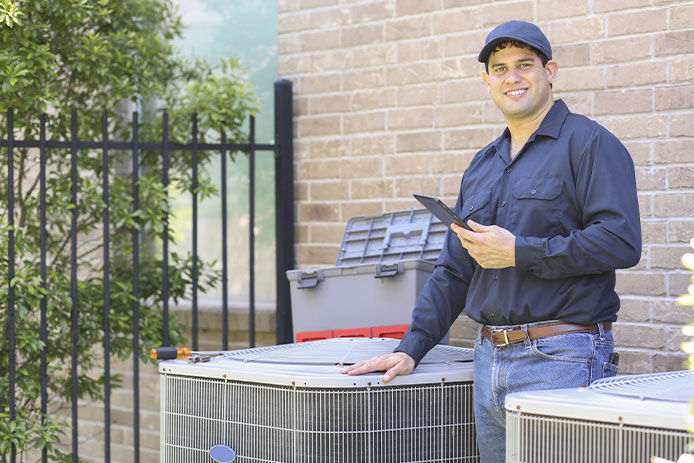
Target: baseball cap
x,y
522,31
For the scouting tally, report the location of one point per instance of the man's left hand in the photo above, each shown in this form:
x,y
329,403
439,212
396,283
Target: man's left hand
x,y
490,245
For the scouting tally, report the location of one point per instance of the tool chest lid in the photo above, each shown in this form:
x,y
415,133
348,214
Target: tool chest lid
x,y
392,236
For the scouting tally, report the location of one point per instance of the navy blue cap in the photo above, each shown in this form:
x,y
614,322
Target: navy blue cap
x,y
522,31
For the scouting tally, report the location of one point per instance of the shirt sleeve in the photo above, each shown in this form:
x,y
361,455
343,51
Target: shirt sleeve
x,y
611,233
442,298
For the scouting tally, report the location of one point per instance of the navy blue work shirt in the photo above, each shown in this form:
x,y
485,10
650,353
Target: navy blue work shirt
x,y
569,197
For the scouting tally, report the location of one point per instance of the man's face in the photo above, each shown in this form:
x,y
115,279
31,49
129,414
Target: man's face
x,y
518,83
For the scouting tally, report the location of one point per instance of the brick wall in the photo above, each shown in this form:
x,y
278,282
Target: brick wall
x,y
389,101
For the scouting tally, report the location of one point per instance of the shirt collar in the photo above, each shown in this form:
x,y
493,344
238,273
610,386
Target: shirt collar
x,y
550,126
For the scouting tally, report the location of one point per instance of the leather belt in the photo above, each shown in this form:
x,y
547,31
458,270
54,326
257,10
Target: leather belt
x,y
504,337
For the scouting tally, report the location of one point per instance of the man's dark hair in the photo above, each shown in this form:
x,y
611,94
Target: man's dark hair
x,y
517,44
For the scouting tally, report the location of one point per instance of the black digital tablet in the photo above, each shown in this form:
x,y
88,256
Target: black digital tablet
x,y
440,210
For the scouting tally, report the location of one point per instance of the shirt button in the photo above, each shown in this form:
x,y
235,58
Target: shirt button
x,y
472,207
496,277
491,314
532,192
503,203
508,169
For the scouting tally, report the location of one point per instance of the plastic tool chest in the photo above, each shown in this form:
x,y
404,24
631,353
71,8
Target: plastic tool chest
x,y
382,266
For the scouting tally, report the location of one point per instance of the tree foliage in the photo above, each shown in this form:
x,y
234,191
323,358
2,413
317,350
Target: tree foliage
x,y
65,55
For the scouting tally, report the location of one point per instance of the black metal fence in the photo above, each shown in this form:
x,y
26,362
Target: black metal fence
x,y
283,153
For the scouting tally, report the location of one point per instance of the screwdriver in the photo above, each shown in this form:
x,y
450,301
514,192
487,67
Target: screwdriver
x,y
170,353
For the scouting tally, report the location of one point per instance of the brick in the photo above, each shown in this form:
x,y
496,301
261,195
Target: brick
x,y
458,115
612,5
637,126
579,103
645,205
329,104
408,164
411,118
573,79
327,233
639,336
412,73
323,83
617,50
640,152
447,163
450,185
571,55
293,22
674,151
682,125
640,284
361,79
407,28
358,208
369,145
634,310
453,69
464,90
419,50
329,18
468,138
419,95
448,22
681,177
401,204
307,4
411,7
371,189
459,3
311,170
361,168
300,109
654,232
334,60
667,257
418,141
318,255
493,14
288,5
365,122
665,362
328,191
681,17
331,148
404,187
373,99
300,191
669,311
634,363
674,43
676,97
319,125
681,231
551,9
289,65
674,205
362,35
637,22
681,70
373,11
321,40
491,113
678,283
468,43
576,30
319,212
289,44
301,233
375,55
631,101
649,178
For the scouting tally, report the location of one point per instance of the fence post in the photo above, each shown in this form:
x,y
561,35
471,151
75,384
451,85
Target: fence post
x,y
284,207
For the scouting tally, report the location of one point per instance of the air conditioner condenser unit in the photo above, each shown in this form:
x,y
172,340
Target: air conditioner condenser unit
x,y
624,419
290,404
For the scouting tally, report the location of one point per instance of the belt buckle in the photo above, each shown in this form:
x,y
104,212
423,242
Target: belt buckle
x,y
506,341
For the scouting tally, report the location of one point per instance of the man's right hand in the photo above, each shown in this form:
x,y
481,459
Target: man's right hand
x,y
394,364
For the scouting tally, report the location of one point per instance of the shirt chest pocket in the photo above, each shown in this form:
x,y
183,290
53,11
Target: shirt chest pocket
x,y
536,207
476,207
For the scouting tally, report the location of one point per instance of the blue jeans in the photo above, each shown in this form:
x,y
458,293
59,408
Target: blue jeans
x,y
560,361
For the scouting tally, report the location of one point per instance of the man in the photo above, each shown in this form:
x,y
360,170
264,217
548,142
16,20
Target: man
x,y
553,209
